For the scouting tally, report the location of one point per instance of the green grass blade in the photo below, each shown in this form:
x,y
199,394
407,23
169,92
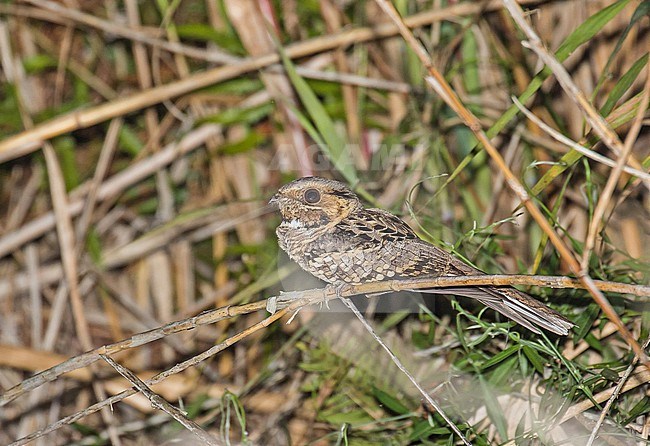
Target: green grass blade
x,y
335,146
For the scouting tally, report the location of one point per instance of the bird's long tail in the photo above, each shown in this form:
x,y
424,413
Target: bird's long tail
x,y
516,305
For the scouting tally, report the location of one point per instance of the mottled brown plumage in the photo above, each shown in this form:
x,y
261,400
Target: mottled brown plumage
x,y
328,232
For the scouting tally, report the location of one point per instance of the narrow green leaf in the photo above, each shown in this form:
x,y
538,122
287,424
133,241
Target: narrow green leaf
x,y
567,160
349,417
335,147
640,408
64,147
129,141
641,11
469,51
493,408
248,142
623,85
534,358
585,320
503,372
38,63
500,357
391,402
582,34
422,429
240,115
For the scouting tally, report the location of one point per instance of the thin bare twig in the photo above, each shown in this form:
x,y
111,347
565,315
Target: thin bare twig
x,y
315,295
617,391
159,402
348,303
574,145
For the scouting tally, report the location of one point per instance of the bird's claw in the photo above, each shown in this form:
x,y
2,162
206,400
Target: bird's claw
x,y
285,298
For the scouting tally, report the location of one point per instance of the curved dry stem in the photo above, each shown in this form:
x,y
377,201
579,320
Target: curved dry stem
x,y
574,145
297,299
444,90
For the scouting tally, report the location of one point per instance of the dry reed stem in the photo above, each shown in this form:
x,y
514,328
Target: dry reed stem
x,y
304,297
113,186
29,141
295,300
85,359
440,85
132,33
103,165
66,241
161,376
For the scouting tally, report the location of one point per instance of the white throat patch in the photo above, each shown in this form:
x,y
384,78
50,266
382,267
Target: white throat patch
x,y
295,224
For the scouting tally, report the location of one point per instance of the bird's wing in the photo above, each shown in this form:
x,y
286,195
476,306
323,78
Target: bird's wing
x,y
376,225
419,259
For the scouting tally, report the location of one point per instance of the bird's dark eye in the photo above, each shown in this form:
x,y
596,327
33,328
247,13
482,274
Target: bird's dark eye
x,y
312,196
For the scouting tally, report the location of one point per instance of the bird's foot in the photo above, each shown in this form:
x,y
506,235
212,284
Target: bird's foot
x,y
285,298
339,290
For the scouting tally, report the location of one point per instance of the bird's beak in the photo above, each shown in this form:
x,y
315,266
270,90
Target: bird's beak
x,y
274,201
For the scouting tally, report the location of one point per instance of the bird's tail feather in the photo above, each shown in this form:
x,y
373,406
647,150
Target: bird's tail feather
x,y
515,305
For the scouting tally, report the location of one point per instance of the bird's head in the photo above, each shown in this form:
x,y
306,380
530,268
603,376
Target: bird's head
x,y
315,201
